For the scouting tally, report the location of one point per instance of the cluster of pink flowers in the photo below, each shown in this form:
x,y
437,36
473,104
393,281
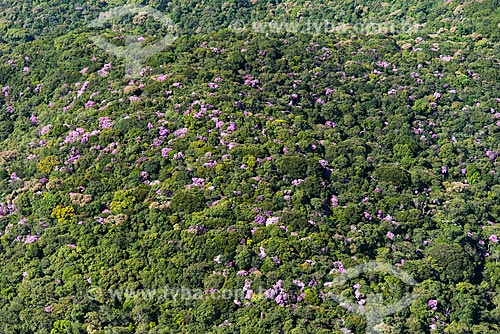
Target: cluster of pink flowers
x,y
103,72
198,182
491,154
30,239
277,292
89,104
7,209
180,133
250,80
432,303
161,77
334,201
45,129
105,123
272,220
82,89
164,152
338,268
5,91
262,252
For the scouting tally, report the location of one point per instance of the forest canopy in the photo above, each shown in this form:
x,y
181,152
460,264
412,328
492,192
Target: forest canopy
x,y
263,161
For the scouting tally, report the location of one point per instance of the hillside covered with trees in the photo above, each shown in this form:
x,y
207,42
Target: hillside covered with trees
x,y
264,162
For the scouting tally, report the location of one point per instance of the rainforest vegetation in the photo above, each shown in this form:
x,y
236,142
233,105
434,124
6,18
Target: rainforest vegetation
x,y
262,161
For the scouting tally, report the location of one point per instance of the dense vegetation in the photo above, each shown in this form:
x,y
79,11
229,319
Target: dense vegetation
x,y
267,163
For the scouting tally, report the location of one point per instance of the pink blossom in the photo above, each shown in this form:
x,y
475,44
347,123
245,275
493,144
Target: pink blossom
x,y
259,219
248,294
198,182
30,239
180,133
432,303
272,220
335,201
164,152
161,78
89,104
339,268
231,127
178,155
104,71
134,98
105,122
383,64
491,154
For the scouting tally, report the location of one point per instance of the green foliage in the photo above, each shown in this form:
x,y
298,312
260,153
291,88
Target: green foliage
x,y
452,263
66,327
395,175
123,201
258,159
294,167
187,201
63,214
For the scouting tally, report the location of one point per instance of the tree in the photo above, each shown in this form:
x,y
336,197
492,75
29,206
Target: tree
x,y
187,201
453,263
293,166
